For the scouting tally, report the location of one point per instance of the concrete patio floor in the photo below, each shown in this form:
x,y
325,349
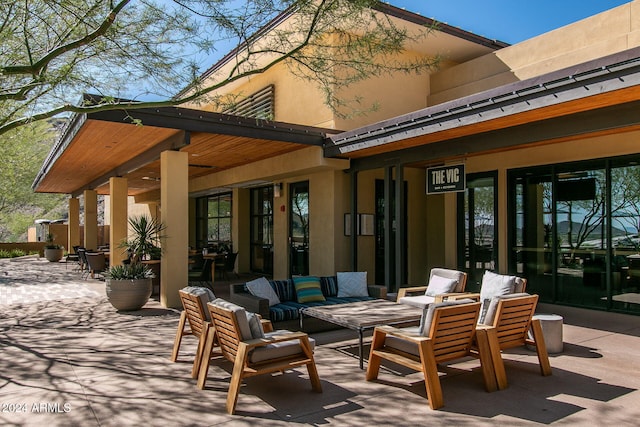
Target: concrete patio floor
x,y
69,359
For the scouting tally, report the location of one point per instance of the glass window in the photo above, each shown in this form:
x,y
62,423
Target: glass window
x,y
262,230
213,221
575,232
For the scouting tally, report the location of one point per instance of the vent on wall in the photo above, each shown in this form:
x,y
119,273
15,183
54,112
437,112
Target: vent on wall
x,y
259,105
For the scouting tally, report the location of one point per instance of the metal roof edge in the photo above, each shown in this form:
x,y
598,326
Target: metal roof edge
x,y
492,98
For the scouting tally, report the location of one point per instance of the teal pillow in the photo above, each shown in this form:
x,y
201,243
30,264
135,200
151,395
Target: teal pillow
x,y
308,289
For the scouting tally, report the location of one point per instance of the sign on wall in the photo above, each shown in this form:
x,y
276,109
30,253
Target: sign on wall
x,y
445,179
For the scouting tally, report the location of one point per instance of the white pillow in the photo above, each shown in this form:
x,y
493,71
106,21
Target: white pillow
x,y
496,284
440,285
352,284
492,286
261,288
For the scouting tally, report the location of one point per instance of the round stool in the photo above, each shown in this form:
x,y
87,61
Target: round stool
x,y
552,331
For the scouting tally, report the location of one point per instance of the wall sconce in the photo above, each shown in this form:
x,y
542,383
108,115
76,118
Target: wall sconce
x,y
277,189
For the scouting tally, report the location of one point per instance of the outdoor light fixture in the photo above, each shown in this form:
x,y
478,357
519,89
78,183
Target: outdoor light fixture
x,y
277,189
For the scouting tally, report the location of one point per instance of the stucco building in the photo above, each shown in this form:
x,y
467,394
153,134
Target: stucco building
x,y
522,159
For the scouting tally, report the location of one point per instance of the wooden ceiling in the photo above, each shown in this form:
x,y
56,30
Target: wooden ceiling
x,y
103,147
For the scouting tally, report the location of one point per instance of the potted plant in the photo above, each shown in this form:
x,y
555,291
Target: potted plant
x,y
128,286
53,252
144,244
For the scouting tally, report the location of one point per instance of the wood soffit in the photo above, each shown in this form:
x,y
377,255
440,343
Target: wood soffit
x,y
104,146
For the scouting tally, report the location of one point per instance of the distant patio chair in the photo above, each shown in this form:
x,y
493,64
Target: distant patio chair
x,y
73,257
226,265
84,267
96,262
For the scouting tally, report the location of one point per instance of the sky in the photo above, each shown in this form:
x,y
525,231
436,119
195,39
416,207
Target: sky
x,y
510,21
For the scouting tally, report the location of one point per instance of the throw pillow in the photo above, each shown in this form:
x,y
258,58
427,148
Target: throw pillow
x,y
493,285
261,288
308,289
255,325
440,285
352,284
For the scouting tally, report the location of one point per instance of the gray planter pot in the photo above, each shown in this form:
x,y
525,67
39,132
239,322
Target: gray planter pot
x,y
128,295
53,255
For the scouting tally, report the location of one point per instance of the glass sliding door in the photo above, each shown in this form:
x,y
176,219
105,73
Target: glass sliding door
x,y
479,249
574,232
625,235
299,228
262,230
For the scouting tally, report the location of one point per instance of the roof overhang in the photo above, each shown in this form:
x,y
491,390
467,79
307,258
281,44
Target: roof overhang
x,y
97,146
596,96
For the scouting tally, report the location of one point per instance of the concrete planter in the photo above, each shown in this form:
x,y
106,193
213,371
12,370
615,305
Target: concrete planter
x,y
128,295
53,255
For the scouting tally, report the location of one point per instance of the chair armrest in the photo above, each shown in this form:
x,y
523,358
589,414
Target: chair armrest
x,y
267,326
464,295
402,292
454,296
285,336
400,333
252,303
377,291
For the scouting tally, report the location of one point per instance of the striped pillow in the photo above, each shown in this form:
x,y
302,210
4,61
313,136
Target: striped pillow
x,y
308,289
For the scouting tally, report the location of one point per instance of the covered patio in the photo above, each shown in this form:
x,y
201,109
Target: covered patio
x,y
72,360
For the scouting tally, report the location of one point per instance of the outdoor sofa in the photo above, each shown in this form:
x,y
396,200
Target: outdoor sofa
x,y
296,293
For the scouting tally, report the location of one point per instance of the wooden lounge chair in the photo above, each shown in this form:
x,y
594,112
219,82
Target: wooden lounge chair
x,y
194,320
253,352
507,323
443,284
446,332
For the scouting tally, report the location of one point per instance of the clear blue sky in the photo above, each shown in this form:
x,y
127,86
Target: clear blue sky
x,y
510,21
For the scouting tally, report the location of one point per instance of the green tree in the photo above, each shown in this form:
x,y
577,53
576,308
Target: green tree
x,y
52,51
22,152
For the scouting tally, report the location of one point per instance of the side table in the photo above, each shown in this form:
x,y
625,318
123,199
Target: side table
x,y
552,331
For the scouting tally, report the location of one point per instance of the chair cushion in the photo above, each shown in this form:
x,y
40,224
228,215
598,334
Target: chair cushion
x,y
456,275
308,289
255,325
407,346
440,285
279,349
205,295
428,313
420,301
261,288
493,307
241,317
352,284
493,285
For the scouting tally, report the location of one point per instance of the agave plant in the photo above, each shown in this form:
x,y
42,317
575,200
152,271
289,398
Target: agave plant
x,y
129,272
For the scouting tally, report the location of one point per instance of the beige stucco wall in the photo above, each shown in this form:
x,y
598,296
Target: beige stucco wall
x,y
609,32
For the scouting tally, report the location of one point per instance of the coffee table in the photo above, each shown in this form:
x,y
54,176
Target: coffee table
x,y
363,315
